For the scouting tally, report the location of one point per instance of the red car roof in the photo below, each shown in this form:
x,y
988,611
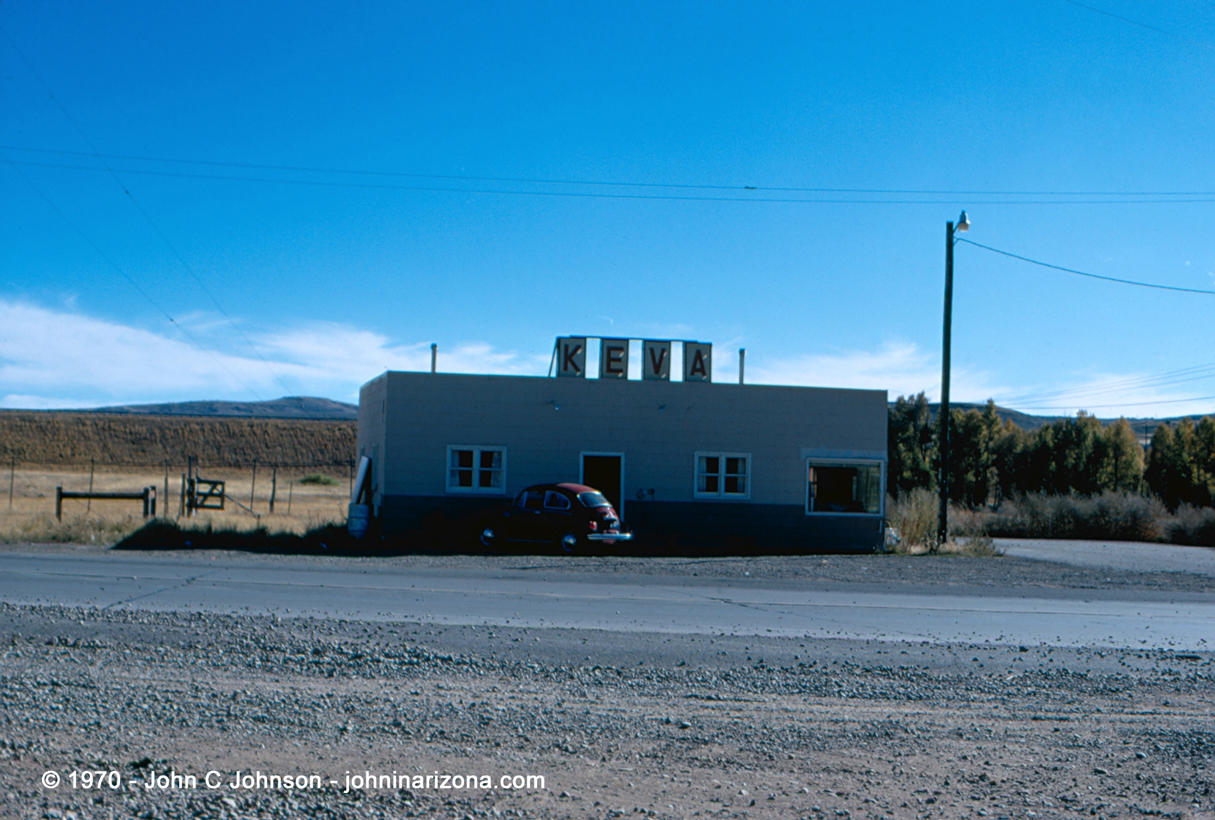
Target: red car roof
x,y
577,488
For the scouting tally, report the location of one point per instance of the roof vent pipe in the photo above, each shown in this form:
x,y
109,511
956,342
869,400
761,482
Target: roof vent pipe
x,y
742,362
434,357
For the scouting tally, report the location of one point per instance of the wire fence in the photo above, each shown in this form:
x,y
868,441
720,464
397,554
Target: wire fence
x,y
255,488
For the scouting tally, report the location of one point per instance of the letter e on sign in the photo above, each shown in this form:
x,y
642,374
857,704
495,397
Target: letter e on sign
x,y
613,358
656,360
697,362
571,356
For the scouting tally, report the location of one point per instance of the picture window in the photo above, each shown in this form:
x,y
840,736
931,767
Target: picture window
x,y
844,487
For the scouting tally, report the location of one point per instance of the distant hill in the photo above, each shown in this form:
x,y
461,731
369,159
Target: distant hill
x,y
1143,427
133,439
290,407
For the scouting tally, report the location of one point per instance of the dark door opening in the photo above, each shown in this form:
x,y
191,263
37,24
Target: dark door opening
x,y
606,474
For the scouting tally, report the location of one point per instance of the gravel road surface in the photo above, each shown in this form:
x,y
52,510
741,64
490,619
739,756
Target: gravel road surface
x,y
617,722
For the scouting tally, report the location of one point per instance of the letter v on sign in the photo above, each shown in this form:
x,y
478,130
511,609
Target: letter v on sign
x,y
656,360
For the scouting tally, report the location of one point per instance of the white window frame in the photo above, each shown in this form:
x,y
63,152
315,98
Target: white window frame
x,y
476,449
721,494
827,461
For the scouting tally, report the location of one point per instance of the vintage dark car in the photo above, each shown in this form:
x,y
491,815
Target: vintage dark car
x,y
568,516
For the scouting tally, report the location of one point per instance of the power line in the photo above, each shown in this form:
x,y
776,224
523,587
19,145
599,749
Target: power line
x,y
1197,373
1124,404
147,217
348,171
1181,37
592,195
1082,273
105,257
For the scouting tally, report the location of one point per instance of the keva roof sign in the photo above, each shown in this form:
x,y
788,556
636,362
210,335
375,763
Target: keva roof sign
x,y
569,358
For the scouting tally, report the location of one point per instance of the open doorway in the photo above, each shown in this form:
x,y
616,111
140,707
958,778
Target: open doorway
x,y
605,472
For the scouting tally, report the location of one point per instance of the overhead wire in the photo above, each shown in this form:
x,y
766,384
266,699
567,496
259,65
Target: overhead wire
x,y
147,217
1166,33
584,182
1083,273
1194,373
1194,199
109,261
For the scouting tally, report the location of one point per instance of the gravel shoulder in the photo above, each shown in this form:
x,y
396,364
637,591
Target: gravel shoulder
x,y
649,724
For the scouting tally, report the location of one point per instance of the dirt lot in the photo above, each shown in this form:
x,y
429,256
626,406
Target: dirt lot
x,y
650,725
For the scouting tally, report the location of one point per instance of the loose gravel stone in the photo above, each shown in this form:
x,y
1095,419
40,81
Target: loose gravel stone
x,y
618,725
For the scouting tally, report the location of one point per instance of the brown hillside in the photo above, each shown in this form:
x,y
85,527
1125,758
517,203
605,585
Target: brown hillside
x,y
75,438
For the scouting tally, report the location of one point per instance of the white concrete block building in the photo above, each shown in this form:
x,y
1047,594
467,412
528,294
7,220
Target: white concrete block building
x,y
689,463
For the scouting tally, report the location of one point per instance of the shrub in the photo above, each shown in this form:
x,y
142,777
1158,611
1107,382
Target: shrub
x,y
914,515
1194,526
320,479
1113,516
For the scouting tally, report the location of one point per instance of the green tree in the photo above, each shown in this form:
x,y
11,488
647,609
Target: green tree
x,y
1204,460
910,445
1010,454
1171,472
971,463
1121,459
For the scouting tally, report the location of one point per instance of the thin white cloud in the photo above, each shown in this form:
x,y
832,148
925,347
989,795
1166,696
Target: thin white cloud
x,y
64,359
1118,394
901,369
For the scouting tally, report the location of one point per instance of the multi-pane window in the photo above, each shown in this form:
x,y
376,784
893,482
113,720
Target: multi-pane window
x,y
723,475
476,469
844,487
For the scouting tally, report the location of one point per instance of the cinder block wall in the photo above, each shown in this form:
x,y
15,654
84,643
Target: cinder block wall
x,y
546,423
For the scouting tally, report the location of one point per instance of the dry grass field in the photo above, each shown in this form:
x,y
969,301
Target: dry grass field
x,y
124,453
298,507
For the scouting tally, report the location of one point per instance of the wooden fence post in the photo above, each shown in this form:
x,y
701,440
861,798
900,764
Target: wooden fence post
x,y
92,464
273,486
59,503
253,485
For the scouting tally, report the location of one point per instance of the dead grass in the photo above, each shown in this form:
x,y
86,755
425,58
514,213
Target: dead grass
x,y
915,514
298,508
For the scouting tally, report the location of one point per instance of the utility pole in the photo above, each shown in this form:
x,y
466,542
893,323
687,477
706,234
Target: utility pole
x,y
943,461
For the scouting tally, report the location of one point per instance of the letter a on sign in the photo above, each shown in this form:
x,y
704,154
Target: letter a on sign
x,y
571,356
656,360
613,358
697,362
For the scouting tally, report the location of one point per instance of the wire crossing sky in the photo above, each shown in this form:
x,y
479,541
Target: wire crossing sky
x,y
241,200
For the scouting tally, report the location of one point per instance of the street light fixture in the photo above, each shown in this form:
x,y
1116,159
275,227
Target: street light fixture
x,y
943,465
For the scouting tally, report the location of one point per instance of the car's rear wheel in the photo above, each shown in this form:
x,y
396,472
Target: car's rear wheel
x,y
569,542
489,536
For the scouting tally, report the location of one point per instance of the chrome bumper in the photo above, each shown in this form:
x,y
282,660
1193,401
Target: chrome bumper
x,y
609,536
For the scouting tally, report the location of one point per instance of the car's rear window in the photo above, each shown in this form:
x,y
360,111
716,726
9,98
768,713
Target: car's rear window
x,y
593,500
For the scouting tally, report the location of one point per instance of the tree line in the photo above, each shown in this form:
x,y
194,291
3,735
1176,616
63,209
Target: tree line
x,y
990,460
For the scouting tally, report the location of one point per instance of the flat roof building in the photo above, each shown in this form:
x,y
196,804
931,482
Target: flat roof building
x,y
685,462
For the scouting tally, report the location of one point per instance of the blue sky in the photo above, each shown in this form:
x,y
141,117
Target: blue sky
x,y
247,200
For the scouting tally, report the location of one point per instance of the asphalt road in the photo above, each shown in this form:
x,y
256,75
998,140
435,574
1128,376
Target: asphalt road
x,y
1114,555
470,593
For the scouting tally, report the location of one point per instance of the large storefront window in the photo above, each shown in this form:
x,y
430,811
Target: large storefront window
x,y
844,487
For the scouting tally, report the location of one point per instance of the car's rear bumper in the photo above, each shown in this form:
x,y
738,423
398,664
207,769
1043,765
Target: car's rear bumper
x,y
610,536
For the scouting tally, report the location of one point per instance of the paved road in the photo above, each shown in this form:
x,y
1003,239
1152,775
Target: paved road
x,y
1114,555
392,590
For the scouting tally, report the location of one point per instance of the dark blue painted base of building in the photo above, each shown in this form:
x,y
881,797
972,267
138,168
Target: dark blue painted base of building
x,y
659,526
